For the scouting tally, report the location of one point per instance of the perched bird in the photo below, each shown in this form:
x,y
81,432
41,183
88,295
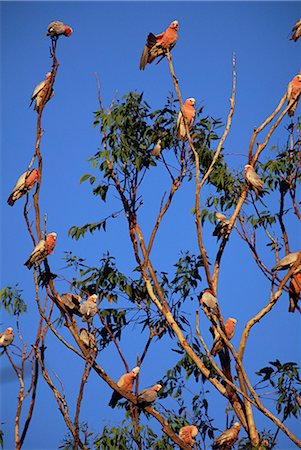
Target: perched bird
x,y
42,250
87,338
71,301
7,337
40,91
227,439
253,179
158,45
221,228
218,342
148,396
287,262
188,433
125,382
294,292
189,114
157,149
296,31
88,308
57,28
293,93
207,299
26,182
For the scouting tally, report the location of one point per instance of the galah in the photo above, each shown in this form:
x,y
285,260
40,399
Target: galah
x,y
7,337
287,262
294,292
221,228
157,149
57,28
188,433
296,31
293,93
88,308
26,182
158,45
71,301
87,338
42,250
148,396
189,114
125,382
253,179
218,343
209,300
227,439
40,91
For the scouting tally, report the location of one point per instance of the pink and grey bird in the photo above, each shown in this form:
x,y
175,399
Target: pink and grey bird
x,y
287,262
148,396
188,433
42,250
296,31
221,228
157,149
293,93
208,300
189,114
125,382
26,182
253,179
157,45
88,308
40,91
7,337
294,292
57,28
88,339
71,301
218,343
227,439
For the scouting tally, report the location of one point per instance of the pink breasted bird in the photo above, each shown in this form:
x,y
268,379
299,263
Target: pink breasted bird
x,y
208,300
188,433
125,382
148,396
42,250
7,337
189,114
293,93
294,292
227,439
296,31
157,149
57,28
40,91
26,182
253,179
287,262
221,228
157,45
88,308
218,343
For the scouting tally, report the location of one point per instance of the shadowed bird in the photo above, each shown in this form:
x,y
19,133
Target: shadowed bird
x,y
57,28
293,93
157,45
26,182
157,149
218,342
71,301
148,396
227,439
40,91
209,300
88,308
287,262
296,31
253,179
188,433
221,228
125,382
87,338
7,337
189,114
294,292
42,250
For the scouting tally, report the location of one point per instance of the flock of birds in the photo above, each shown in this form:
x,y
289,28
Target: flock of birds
x,y
155,47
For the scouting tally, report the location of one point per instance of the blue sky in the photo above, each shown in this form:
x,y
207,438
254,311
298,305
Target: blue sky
x,y
108,39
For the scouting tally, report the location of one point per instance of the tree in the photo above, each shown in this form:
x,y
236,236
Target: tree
x,y
155,300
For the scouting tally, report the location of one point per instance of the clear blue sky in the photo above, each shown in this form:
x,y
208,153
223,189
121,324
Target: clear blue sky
x,y
108,39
